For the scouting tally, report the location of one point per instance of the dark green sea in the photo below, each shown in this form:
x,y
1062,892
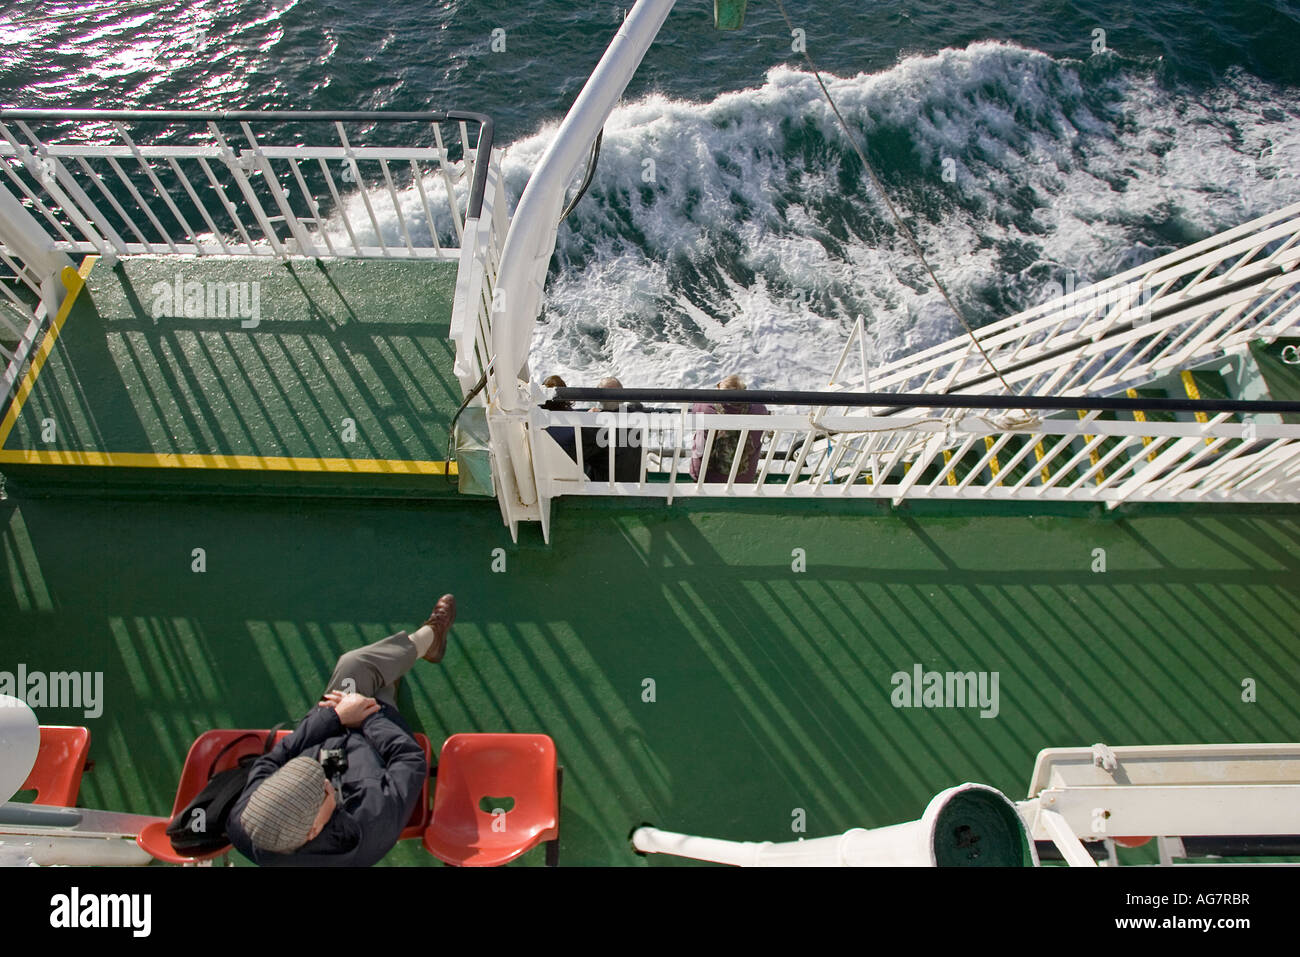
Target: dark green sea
x,y
1078,139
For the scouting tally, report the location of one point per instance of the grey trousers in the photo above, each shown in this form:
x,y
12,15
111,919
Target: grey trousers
x,y
375,669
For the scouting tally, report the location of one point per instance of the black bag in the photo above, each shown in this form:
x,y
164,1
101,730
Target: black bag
x,y
201,826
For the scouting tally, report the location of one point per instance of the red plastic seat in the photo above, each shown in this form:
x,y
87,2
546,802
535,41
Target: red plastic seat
x,y
194,775
474,771
421,813
56,775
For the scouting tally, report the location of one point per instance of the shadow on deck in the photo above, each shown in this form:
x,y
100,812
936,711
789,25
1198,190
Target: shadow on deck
x,y
244,366
771,687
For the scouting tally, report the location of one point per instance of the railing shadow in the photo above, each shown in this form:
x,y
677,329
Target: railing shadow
x,y
773,673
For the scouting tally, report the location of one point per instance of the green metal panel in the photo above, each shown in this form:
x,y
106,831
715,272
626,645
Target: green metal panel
x,y
1281,376
728,14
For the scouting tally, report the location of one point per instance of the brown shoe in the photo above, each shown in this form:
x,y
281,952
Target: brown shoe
x,y
444,613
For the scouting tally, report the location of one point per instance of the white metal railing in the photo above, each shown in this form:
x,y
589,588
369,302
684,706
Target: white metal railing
x,y
279,184
1179,310
476,281
30,287
263,184
1174,793
912,456
1184,310
26,304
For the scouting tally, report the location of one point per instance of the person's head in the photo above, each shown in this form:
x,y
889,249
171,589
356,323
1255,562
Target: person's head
x,y
732,382
555,382
609,382
290,807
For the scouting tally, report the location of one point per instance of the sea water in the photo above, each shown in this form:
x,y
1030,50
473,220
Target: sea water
x,y
730,226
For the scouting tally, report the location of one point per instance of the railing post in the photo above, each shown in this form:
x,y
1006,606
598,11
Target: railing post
x,y
301,237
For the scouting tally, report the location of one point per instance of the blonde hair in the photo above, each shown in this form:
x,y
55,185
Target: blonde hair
x,y
609,382
732,382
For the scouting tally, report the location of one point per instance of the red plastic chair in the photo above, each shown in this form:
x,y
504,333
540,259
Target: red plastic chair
x,y
422,812
60,762
474,771
194,775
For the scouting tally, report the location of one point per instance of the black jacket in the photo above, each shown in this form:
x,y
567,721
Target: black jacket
x,y
627,442
386,771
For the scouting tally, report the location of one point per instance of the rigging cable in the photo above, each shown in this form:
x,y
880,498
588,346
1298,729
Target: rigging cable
x,y
478,387
451,429
880,189
586,180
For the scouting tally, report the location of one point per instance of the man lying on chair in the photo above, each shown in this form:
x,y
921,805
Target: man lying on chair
x,y
339,790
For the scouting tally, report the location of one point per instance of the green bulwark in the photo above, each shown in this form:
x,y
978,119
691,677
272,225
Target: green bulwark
x,y
249,367
1277,362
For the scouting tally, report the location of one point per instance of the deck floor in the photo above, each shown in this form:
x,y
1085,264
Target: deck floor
x,y
772,686
247,364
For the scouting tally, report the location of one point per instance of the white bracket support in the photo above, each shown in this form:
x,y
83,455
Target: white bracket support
x,y
1071,848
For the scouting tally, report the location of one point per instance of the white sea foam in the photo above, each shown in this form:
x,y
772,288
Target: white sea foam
x,y
1051,179
749,253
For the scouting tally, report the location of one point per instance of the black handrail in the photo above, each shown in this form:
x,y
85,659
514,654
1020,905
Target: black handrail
x,y
483,148
903,400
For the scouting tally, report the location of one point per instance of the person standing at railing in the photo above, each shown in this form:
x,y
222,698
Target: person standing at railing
x,y
627,441
563,434
724,450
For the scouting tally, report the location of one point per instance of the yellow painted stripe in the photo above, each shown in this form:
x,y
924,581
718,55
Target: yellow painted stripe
x,y
1189,386
1039,454
73,281
952,477
1094,455
993,462
1140,416
269,463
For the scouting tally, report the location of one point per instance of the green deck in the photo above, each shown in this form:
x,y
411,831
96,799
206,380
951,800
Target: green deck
x,y
300,378
772,686
1282,377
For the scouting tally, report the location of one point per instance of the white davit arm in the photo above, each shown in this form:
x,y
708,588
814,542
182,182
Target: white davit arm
x,y
968,824
531,240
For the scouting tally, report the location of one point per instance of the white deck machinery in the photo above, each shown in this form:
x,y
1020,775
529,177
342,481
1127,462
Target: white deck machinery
x,y
38,834
525,261
1201,803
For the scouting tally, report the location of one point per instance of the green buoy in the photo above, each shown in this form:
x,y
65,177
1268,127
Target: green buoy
x,y
728,14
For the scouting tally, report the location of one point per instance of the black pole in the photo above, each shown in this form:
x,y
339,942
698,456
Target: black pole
x,y
900,400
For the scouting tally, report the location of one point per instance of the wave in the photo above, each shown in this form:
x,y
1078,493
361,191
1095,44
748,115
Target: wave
x,y
742,235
